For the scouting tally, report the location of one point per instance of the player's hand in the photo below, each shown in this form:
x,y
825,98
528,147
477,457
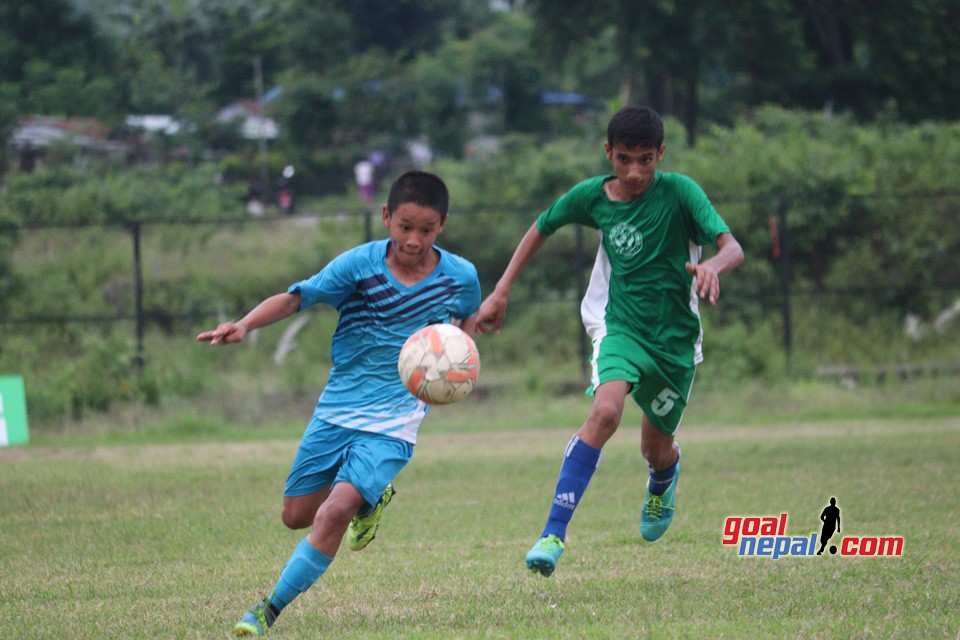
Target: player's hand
x,y
708,281
490,315
225,333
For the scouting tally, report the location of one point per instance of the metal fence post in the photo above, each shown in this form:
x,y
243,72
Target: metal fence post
x,y
786,275
138,293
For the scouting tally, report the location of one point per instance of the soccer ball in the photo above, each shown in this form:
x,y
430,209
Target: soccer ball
x,y
439,364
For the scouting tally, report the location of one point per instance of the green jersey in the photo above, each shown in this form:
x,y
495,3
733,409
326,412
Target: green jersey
x,y
639,283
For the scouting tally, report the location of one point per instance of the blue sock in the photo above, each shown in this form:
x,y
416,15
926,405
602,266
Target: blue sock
x,y
304,567
660,480
579,463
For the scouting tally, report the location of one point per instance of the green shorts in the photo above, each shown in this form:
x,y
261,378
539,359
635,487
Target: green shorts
x,y
660,388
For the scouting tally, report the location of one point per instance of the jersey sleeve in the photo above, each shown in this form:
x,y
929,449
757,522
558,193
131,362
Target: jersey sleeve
x,y
469,299
707,223
571,207
331,284
471,295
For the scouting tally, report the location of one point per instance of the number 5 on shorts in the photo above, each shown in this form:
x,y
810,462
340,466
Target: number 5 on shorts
x,y
664,401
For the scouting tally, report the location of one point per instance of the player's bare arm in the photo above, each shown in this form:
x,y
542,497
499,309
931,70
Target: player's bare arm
x,y
494,307
273,309
729,255
468,325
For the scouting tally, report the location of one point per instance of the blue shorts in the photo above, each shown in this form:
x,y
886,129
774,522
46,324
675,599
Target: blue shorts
x,y
329,454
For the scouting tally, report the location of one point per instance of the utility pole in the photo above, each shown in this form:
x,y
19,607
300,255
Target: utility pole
x,y
261,135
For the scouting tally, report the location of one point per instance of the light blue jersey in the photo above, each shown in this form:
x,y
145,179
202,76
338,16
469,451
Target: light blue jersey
x,y
377,315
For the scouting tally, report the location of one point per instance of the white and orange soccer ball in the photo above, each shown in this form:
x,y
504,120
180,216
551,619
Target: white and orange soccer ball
x,y
439,364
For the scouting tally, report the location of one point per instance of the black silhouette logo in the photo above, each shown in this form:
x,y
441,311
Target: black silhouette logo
x,y
766,536
831,522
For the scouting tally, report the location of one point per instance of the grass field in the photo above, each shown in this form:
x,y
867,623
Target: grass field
x,y
176,539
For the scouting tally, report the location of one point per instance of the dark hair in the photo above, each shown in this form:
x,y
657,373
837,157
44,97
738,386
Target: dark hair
x,y
635,127
422,188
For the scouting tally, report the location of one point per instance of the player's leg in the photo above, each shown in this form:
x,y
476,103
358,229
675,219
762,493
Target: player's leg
x,y
580,461
309,561
314,554
663,457
308,486
605,413
299,511
364,465
662,454
333,517
662,395
363,527
374,462
313,471
611,378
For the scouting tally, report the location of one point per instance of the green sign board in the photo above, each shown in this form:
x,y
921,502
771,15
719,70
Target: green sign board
x,y
13,411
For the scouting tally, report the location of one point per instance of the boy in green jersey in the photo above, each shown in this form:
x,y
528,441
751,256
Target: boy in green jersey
x,y
640,311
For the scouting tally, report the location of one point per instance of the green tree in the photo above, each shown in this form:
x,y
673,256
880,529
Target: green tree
x,y
307,112
67,91
315,34
663,45
863,213
910,52
440,92
498,58
52,31
68,196
9,96
57,58
406,26
152,85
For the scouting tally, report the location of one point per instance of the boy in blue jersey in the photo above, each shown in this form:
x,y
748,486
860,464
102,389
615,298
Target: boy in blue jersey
x,y
640,310
364,426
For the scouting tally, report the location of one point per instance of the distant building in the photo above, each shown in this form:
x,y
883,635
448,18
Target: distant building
x,y
34,136
249,118
154,123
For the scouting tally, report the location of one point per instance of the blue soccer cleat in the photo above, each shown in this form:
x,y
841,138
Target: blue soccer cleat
x,y
257,620
657,513
543,556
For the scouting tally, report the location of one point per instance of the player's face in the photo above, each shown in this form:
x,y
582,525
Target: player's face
x,y
413,230
634,167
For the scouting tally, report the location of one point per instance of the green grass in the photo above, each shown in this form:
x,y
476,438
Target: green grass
x,y
174,539
243,407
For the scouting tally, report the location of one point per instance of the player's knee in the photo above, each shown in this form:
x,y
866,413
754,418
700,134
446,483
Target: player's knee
x,y
603,420
659,455
293,520
607,414
334,512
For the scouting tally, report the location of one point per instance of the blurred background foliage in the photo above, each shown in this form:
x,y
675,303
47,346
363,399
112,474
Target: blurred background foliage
x,y
351,76
833,124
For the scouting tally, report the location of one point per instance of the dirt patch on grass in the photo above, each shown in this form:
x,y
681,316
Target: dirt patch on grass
x,y
218,455
474,445
447,446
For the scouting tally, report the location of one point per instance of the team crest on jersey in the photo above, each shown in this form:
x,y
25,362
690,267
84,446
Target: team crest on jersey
x,y
626,240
